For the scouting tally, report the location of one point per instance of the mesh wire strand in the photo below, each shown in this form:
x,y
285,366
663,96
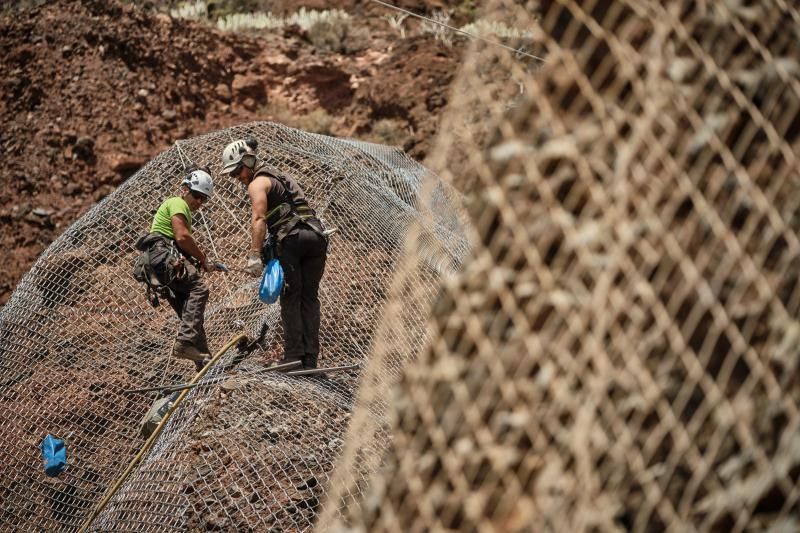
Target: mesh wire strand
x,y
247,450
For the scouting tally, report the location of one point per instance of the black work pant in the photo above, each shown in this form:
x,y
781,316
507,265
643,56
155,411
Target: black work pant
x,y
302,257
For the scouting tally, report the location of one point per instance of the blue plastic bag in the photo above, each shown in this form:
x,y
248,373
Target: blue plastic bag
x,y
54,453
271,282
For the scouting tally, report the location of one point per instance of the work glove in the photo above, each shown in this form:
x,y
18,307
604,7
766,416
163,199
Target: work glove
x,y
254,266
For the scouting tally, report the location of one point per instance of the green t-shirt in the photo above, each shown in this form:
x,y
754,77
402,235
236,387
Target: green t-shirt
x,y
162,222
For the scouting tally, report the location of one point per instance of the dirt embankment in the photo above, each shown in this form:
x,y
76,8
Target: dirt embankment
x,y
92,90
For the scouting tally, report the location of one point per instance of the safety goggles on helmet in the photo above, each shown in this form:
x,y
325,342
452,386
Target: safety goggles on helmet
x,y
248,160
236,155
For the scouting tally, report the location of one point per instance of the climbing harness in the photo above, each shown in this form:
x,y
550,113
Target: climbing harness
x,y
158,266
285,217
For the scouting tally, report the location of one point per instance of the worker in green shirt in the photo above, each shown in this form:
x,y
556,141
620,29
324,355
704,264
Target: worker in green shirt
x,y
171,250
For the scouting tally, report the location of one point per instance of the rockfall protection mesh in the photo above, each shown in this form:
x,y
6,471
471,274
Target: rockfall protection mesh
x,y
621,351
246,450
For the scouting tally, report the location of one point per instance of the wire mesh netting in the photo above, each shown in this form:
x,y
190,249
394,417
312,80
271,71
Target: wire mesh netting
x,y
621,350
246,449
606,341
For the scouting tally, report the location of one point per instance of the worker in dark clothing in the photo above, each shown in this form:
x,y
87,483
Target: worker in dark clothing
x,y
170,250
279,207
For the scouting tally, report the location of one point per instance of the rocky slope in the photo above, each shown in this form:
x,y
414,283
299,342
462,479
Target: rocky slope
x,y
92,90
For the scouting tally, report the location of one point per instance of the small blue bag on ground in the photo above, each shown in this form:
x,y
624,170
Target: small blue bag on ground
x,y
54,453
271,282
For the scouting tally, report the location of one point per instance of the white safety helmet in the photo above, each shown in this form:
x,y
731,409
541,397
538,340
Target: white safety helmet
x,y
241,152
199,181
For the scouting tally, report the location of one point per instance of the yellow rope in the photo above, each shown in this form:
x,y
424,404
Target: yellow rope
x,y
147,445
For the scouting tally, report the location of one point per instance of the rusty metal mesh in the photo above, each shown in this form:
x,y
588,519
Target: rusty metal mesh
x,y
621,350
246,450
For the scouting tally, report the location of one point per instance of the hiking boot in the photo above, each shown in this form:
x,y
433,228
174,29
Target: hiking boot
x,y
184,350
309,362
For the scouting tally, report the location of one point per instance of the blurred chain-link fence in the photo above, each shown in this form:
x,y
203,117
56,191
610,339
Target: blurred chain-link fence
x,y
621,350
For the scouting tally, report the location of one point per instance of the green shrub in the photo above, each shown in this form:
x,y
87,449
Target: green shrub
x,y
189,10
485,28
325,30
250,21
437,27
